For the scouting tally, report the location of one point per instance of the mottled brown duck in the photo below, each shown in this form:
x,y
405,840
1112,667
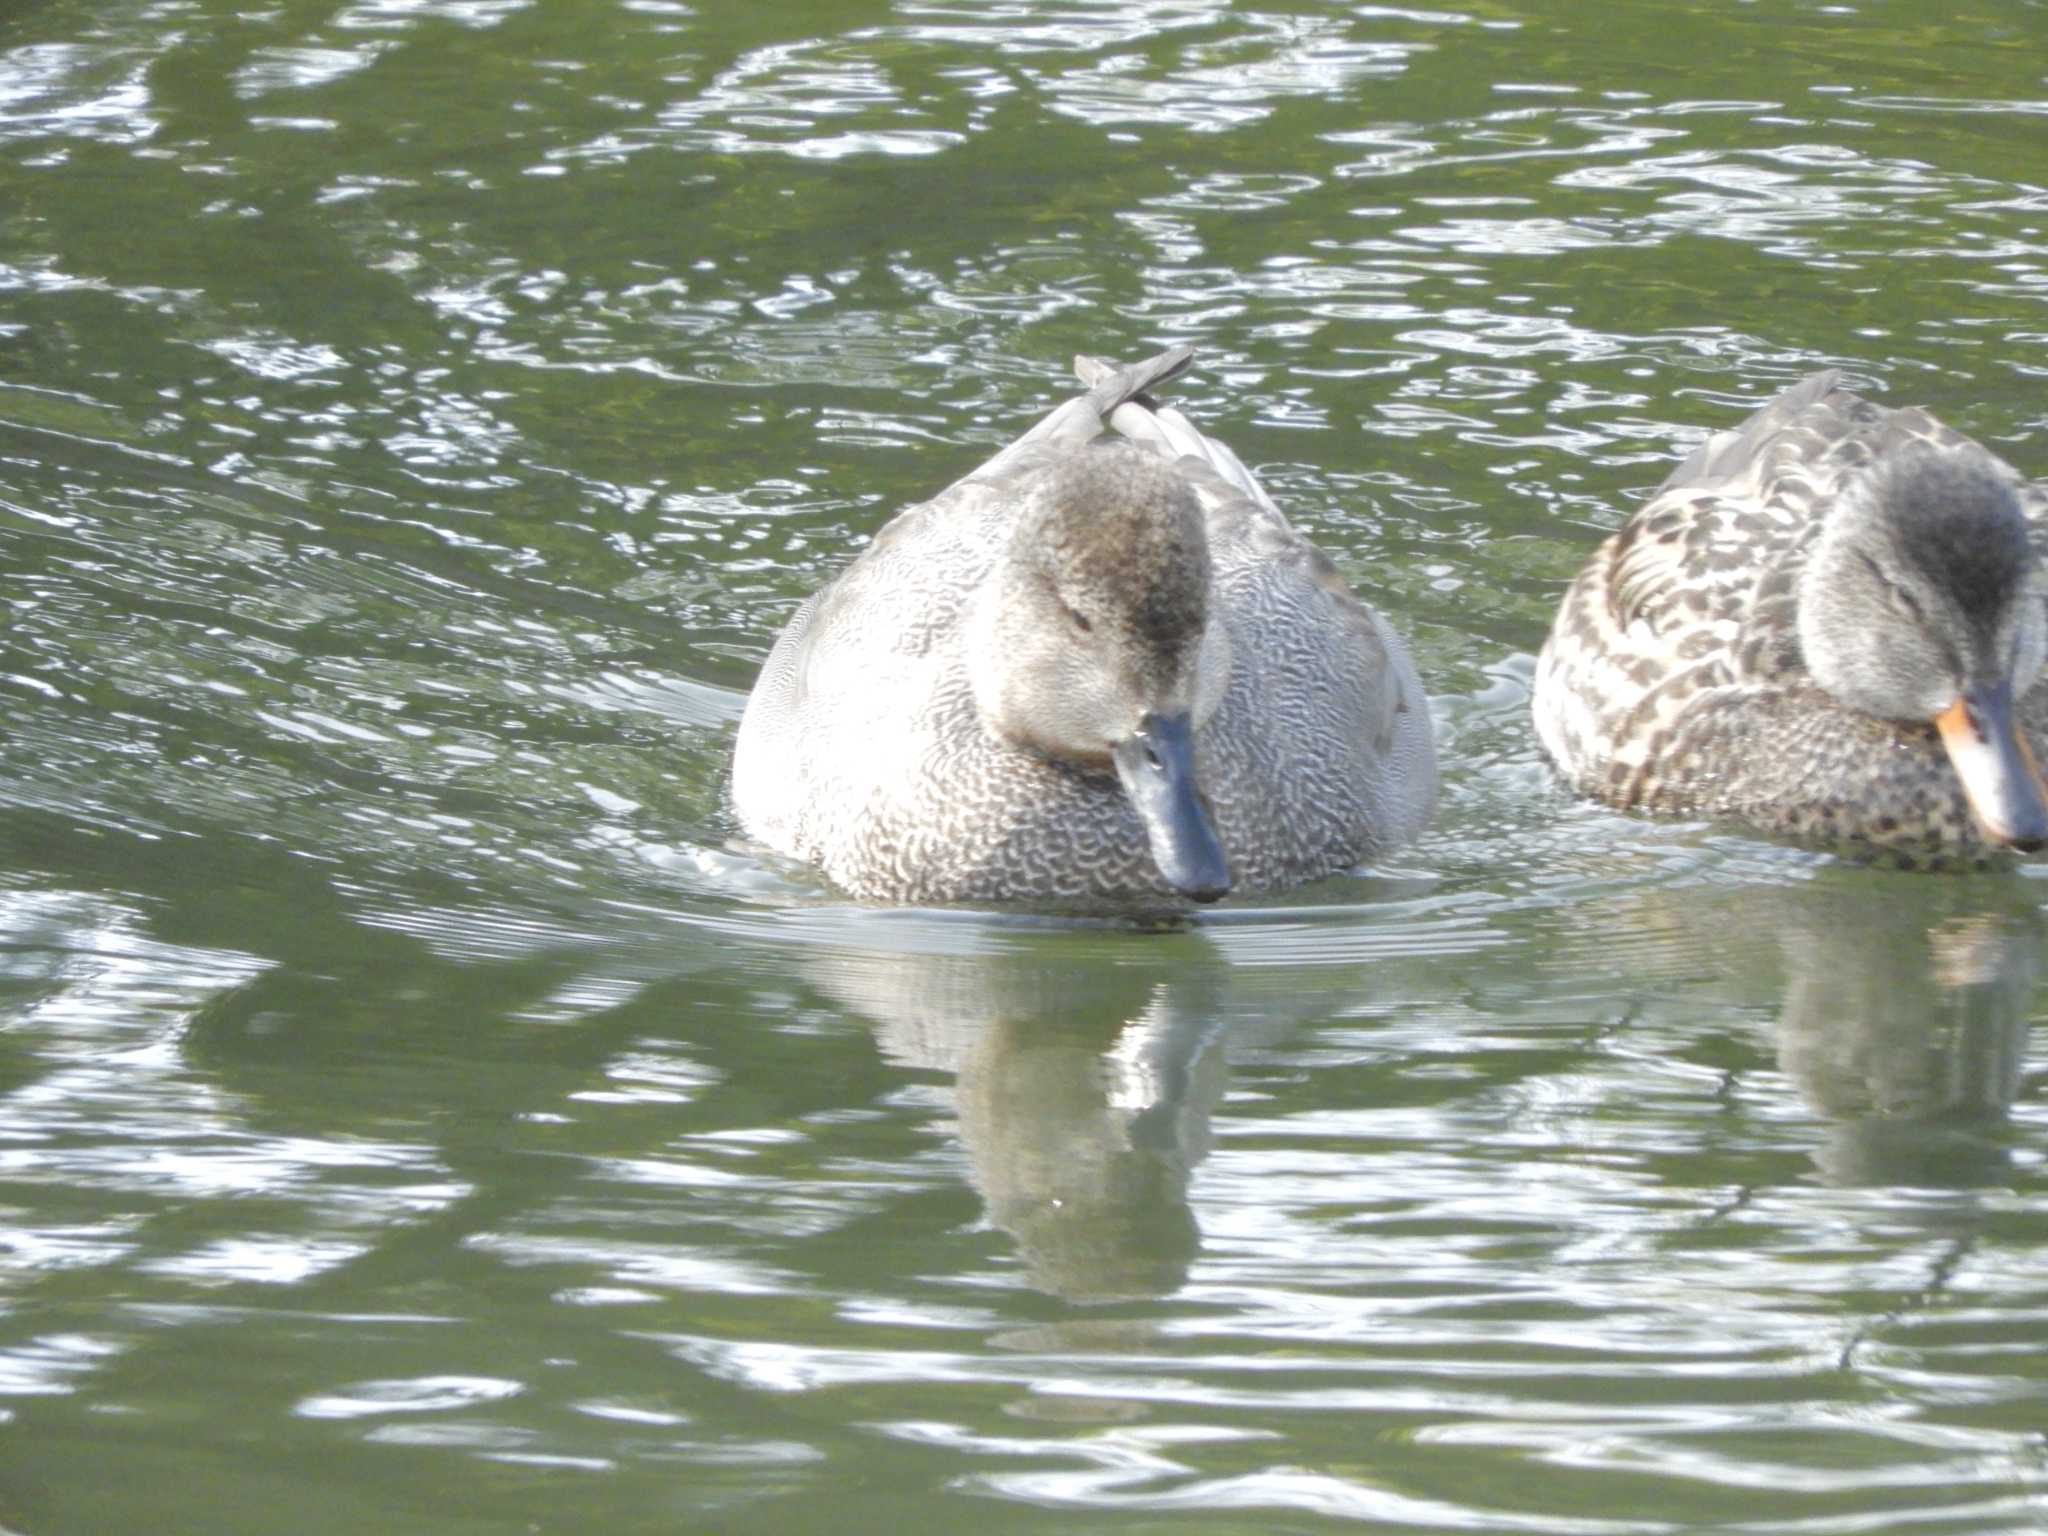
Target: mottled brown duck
x,y
1827,624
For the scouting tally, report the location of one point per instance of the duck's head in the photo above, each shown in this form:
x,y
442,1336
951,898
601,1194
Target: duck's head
x,y
1089,641
1923,600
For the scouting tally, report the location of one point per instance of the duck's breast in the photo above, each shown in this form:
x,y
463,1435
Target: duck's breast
x,y
854,680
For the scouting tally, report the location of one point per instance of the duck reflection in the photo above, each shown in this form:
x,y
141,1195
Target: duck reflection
x,y
1084,1094
1082,1140
1904,1020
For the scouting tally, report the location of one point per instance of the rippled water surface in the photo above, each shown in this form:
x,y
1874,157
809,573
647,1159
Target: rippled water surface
x,y
418,1113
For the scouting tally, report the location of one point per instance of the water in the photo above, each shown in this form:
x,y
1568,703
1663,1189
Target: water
x,y
416,1113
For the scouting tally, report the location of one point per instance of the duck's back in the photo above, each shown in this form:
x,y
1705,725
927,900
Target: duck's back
x,y
863,750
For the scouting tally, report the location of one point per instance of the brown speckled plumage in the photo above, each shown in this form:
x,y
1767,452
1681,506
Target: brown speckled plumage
x,y
1677,679
865,748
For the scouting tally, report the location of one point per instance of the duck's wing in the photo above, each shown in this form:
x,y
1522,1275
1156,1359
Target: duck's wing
x,y
1710,558
1696,592
1725,459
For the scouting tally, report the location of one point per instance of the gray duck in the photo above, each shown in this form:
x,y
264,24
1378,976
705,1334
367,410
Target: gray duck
x,y
1103,667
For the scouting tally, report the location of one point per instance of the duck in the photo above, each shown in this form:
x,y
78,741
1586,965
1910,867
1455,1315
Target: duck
x,y
1829,625
1102,668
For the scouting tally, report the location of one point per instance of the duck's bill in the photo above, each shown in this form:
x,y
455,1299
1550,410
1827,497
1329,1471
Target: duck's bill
x,y
1999,776
1157,770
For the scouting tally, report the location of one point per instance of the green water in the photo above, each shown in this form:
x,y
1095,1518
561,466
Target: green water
x,y
417,1113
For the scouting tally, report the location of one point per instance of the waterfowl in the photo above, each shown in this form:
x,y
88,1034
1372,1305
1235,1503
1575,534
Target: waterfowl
x,y
1828,624
1103,667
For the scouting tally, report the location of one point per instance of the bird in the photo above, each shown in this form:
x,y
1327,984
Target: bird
x,y
1101,669
1828,625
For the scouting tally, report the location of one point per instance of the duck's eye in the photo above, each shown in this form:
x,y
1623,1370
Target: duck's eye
x,y
1904,601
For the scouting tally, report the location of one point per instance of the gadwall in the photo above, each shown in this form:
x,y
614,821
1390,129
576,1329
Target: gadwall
x,y
1827,624
1098,669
